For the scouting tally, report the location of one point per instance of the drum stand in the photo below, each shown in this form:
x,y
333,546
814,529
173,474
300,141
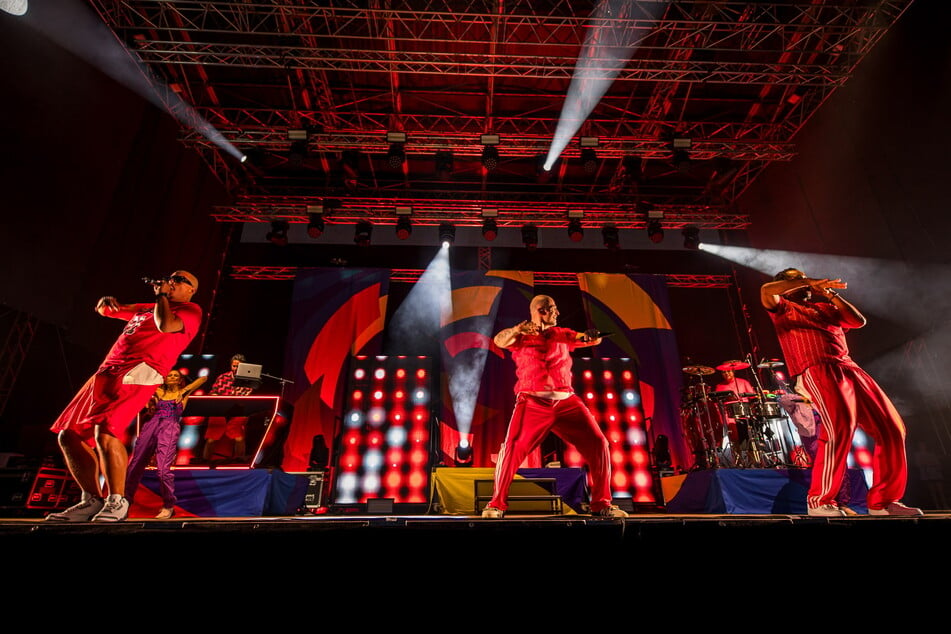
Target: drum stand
x,y
762,452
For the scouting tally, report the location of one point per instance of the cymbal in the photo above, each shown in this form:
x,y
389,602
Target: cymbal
x,y
699,370
771,363
733,365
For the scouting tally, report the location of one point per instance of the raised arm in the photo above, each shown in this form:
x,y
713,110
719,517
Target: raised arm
x,y
109,306
194,385
191,387
165,318
505,338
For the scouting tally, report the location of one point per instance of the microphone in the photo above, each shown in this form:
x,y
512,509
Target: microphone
x,y
603,334
154,281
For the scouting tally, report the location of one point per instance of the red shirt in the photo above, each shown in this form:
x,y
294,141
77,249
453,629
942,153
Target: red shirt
x,y
809,334
543,361
738,386
141,341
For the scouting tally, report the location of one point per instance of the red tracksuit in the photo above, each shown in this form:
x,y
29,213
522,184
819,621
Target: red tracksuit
x,y
543,366
846,397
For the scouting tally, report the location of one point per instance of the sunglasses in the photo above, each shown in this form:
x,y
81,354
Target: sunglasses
x,y
180,279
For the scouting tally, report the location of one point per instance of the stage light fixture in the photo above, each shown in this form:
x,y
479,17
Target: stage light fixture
x,y
530,236
575,230
396,155
444,164
404,227
278,233
691,234
463,454
297,134
542,175
655,231
490,229
589,158
490,157
363,233
611,237
315,223
447,233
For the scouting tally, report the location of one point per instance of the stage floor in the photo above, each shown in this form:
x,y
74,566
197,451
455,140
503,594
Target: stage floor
x,y
452,565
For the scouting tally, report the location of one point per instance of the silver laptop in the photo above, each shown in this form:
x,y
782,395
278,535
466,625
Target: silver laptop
x,y
250,371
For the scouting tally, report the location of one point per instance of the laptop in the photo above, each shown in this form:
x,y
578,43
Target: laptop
x,y
248,375
250,371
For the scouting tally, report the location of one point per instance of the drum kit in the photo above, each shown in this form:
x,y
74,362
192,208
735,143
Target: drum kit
x,y
725,429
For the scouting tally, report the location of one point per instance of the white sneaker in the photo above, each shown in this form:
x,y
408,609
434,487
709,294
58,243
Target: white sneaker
x,y
116,509
826,510
84,511
611,511
490,512
896,508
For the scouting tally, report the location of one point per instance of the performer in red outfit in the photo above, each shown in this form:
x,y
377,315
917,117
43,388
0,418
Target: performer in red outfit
x,y
738,429
546,402
811,319
92,427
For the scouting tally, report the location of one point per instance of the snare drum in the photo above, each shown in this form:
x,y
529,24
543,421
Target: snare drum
x,y
739,409
766,409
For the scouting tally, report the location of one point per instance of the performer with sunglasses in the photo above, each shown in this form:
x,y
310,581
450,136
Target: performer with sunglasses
x,y
91,430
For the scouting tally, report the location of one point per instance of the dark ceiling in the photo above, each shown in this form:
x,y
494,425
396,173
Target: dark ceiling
x,y
733,80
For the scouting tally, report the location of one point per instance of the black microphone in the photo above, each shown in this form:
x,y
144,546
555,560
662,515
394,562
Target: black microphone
x,y
598,335
154,281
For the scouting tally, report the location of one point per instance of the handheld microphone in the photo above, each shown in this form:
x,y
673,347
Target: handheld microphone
x,y
154,281
603,334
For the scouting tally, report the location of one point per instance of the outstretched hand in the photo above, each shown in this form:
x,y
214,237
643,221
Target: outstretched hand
x,y
591,334
824,286
107,304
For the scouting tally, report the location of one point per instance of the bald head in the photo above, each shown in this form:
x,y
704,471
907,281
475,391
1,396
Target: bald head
x,y
182,285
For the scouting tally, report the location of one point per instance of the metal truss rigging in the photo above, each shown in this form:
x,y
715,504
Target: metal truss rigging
x,y
737,80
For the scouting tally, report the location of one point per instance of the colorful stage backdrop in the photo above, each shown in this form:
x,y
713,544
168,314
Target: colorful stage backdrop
x,y
339,320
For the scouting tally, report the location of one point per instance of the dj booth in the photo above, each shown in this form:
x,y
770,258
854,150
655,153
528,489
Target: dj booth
x,y
264,418
249,485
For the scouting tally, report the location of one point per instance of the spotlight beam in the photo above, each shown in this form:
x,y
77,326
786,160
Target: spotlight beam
x,y
76,28
609,45
890,289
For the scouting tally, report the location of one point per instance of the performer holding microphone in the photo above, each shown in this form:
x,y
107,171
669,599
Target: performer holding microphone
x,y
91,428
546,402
